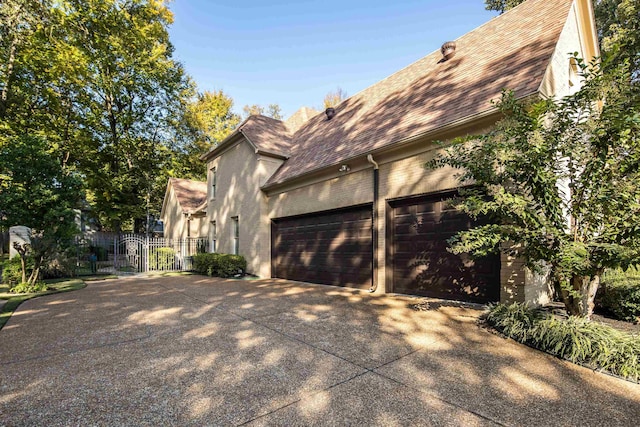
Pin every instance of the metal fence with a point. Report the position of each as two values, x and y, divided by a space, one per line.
135 253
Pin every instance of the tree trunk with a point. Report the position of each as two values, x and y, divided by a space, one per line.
23 263
35 275
579 298
5 89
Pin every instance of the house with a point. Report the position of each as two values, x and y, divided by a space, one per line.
184 209
343 197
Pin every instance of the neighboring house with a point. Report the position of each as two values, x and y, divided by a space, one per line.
343 197
184 209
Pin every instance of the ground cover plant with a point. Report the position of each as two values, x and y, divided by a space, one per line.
573 338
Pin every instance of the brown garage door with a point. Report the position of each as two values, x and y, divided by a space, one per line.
420 261
332 248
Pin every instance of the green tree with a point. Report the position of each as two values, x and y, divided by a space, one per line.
131 85
561 183
501 5
97 79
37 192
212 117
252 110
618 23
334 98
273 110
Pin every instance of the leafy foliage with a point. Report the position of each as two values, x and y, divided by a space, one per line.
28 288
335 97
208 119
161 258
560 179
37 192
501 5
219 265
618 23
574 339
97 81
273 110
12 271
620 294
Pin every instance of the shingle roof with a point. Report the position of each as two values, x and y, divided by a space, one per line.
267 134
191 194
510 51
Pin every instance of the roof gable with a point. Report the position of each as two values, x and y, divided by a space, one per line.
267 135
191 195
511 51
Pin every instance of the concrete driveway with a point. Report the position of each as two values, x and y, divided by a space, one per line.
192 350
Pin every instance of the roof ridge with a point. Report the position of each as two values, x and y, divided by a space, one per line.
490 21
512 50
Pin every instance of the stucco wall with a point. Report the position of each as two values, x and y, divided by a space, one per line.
173 218
347 190
407 177
557 77
401 175
240 173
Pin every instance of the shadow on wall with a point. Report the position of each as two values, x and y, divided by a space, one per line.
335 251
423 264
445 93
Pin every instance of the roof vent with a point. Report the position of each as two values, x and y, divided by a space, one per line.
448 50
330 112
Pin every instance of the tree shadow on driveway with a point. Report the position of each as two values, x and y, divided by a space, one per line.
194 350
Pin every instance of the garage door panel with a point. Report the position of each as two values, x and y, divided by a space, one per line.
330 248
420 261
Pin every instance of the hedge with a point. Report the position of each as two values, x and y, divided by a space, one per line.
219 265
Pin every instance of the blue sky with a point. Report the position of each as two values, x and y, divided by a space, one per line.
293 52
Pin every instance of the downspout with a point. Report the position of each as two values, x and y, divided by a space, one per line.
374 224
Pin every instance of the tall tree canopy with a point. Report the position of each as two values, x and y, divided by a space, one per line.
334 97
273 110
208 119
97 79
618 23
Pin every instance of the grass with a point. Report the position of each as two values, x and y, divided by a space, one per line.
14 300
578 340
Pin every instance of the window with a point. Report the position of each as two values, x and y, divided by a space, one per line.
214 236
213 183
235 237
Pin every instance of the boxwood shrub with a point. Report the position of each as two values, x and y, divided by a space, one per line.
219 265
579 340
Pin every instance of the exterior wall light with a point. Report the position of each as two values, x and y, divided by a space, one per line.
344 168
